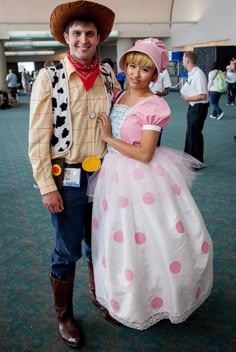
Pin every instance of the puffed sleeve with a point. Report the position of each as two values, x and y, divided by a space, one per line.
154 113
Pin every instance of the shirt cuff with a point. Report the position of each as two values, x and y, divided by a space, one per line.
47 188
152 128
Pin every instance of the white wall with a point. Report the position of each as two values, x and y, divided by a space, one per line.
216 21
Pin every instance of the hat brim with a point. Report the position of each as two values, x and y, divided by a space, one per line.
65 13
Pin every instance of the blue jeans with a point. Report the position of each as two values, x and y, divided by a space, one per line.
214 100
72 226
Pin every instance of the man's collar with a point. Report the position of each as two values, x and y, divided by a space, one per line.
193 70
69 67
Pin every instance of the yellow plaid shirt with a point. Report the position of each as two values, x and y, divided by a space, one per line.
86 137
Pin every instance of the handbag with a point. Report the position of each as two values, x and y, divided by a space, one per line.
219 82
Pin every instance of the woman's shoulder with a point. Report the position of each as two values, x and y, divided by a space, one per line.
152 101
154 107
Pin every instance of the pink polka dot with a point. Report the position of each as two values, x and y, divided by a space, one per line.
140 237
197 295
114 304
95 223
104 262
138 174
129 275
205 248
123 202
175 267
104 204
157 302
179 227
159 170
148 198
176 189
101 172
118 236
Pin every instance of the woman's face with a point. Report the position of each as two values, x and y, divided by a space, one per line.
140 77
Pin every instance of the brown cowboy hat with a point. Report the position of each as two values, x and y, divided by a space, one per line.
65 13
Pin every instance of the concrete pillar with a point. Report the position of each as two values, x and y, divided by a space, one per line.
122 45
3 68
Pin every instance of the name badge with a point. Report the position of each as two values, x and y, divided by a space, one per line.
72 177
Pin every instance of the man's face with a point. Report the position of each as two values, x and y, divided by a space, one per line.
83 41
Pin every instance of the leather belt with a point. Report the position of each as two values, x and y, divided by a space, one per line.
76 166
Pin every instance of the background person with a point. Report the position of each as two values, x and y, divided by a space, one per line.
214 95
54 139
4 100
25 81
231 82
121 79
151 251
12 82
195 93
162 86
108 61
13 98
48 63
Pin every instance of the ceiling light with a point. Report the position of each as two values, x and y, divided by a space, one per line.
22 35
32 44
29 53
15 35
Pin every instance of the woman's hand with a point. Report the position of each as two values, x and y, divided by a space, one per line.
105 126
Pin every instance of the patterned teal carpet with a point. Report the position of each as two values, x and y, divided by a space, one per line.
27 322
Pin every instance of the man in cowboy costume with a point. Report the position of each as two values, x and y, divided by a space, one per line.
65 144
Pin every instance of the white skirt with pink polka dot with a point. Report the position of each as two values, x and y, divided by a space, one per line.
152 253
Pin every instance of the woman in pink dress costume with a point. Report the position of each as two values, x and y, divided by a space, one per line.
152 253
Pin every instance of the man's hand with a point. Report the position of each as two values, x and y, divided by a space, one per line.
185 98
53 202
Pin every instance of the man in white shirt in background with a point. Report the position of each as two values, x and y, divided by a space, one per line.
162 86
12 84
12 81
195 93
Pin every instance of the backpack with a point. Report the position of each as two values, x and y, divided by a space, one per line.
219 82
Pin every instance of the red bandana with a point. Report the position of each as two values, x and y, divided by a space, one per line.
87 73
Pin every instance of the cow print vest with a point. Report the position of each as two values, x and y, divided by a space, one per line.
62 129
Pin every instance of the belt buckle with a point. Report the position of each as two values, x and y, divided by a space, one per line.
91 164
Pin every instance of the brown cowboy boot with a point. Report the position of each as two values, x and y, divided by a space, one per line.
63 295
92 292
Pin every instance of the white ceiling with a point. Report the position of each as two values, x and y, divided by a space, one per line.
24 25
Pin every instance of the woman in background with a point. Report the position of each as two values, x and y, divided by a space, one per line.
214 94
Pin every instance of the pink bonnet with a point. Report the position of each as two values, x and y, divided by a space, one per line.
152 47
